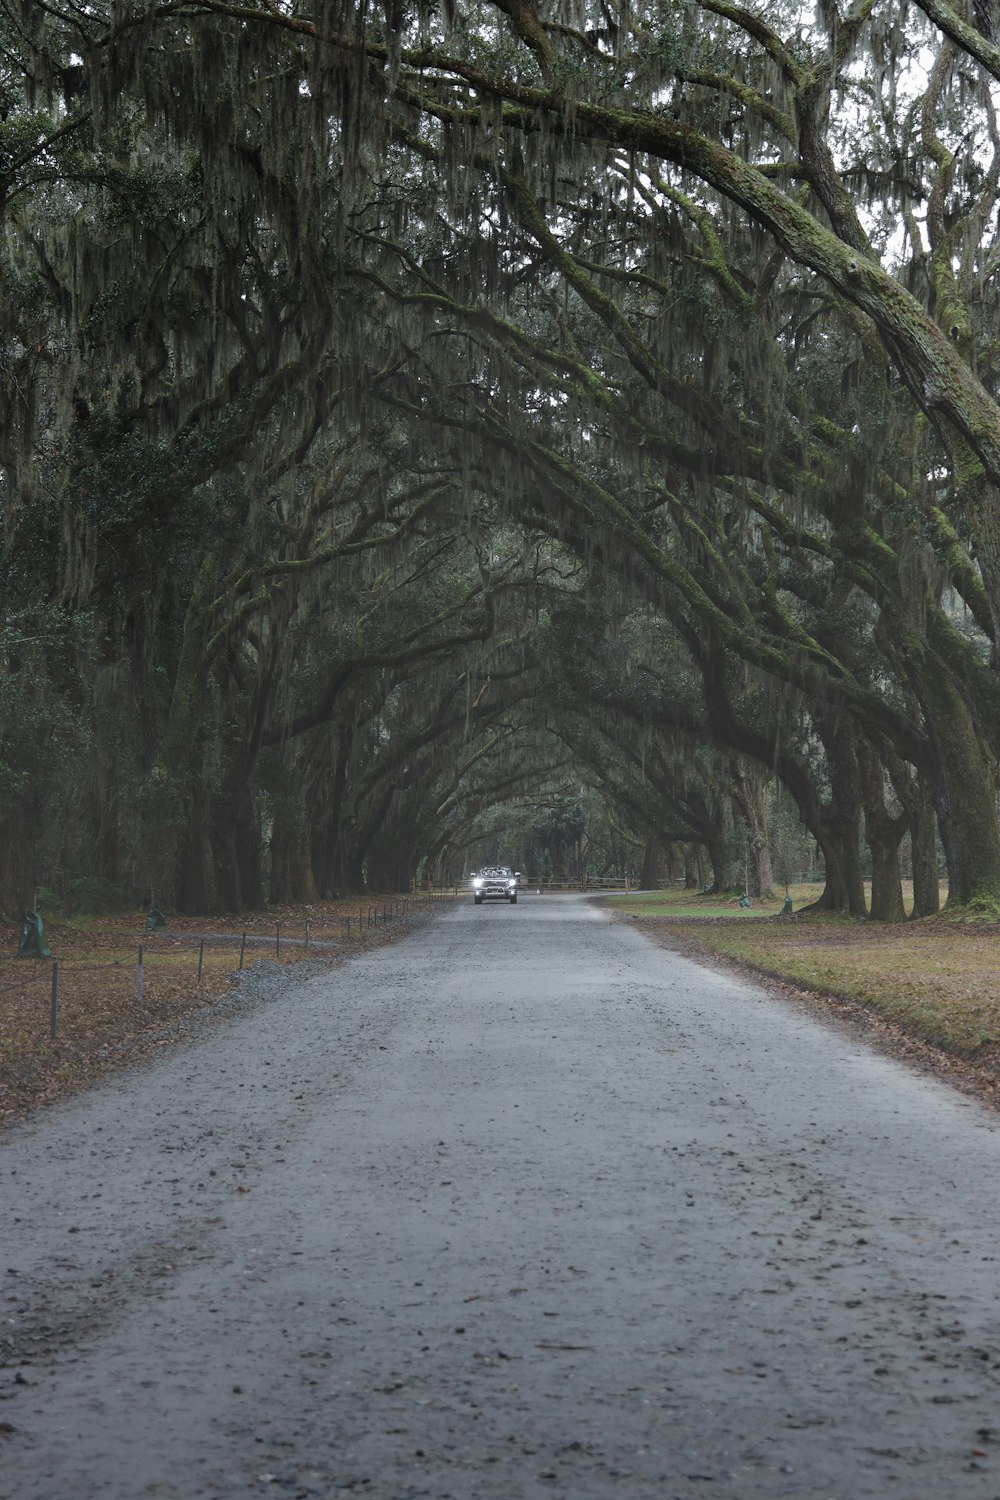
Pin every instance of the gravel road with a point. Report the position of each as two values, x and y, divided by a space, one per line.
521 1206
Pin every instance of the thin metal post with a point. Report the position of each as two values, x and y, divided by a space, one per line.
201 958
277 939
138 979
53 1023
243 943
307 932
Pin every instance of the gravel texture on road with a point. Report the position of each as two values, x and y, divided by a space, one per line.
521 1206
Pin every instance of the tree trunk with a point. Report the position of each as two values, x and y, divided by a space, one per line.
195 893
693 874
280 883
304 885
228 882
839 826
843 888
750 798
887 887
649 873
884 833
964 792
924 855
724 875
915 795
236 850
248 853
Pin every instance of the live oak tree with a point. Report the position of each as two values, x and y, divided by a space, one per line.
311 307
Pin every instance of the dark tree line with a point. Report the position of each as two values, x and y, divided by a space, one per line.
416 426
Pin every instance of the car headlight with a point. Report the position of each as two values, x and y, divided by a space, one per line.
477 884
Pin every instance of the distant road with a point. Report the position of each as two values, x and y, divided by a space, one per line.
522 1206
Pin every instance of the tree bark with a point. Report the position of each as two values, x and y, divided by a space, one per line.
884 833
924 855
964 784
838 828
750 797
649 873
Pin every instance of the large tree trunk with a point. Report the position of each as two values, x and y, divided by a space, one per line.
292 875
750 797
915 795
282 841
248 853
304 883
924 854
843 888
228 881
693 873
839 827
725 876
361 844
884 833
964 791
236 848
194 890
649 873
887 886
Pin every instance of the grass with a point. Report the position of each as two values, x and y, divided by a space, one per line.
936 980
705 905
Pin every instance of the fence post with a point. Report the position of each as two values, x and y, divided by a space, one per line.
243 943
277 939
201 958
348 920
138 979
53 1022
307 932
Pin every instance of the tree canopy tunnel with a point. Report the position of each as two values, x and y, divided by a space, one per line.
414 419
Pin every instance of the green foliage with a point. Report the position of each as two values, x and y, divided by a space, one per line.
478 453
89 895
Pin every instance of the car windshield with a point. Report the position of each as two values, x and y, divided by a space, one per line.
495 870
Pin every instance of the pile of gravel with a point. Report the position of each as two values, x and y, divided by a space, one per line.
261 983
268 980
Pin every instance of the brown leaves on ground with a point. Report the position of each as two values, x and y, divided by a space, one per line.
101 1023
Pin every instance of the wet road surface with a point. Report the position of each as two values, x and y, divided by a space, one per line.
523 1206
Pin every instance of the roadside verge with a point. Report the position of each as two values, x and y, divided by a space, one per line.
926 993
109 994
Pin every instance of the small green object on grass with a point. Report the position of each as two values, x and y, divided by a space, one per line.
33 944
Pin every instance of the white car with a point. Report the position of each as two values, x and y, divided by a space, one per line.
496 883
